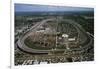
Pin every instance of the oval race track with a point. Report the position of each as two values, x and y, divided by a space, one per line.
85 44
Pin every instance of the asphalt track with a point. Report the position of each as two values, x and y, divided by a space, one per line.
86 44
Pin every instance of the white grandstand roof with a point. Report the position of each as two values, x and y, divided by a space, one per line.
64 35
